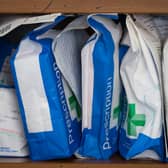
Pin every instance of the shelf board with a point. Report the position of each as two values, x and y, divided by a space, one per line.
83 6
115 162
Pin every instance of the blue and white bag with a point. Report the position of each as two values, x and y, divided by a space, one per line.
100 88
12 138
45 97
141 134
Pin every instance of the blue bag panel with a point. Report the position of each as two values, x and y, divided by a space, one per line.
131 147
91 145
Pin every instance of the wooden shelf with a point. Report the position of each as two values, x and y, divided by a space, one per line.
115 162
83 6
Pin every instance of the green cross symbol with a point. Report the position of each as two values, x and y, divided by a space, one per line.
116 112
2 81
134 120
74 105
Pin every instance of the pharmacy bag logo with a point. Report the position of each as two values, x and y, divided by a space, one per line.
134 120
74 105
116 112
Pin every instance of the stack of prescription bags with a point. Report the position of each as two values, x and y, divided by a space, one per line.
84 85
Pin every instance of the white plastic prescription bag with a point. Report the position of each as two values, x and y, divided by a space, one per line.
165 85
12 138
46 100
141 134
67 48
100 88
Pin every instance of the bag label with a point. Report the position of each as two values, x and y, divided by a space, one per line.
32 90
